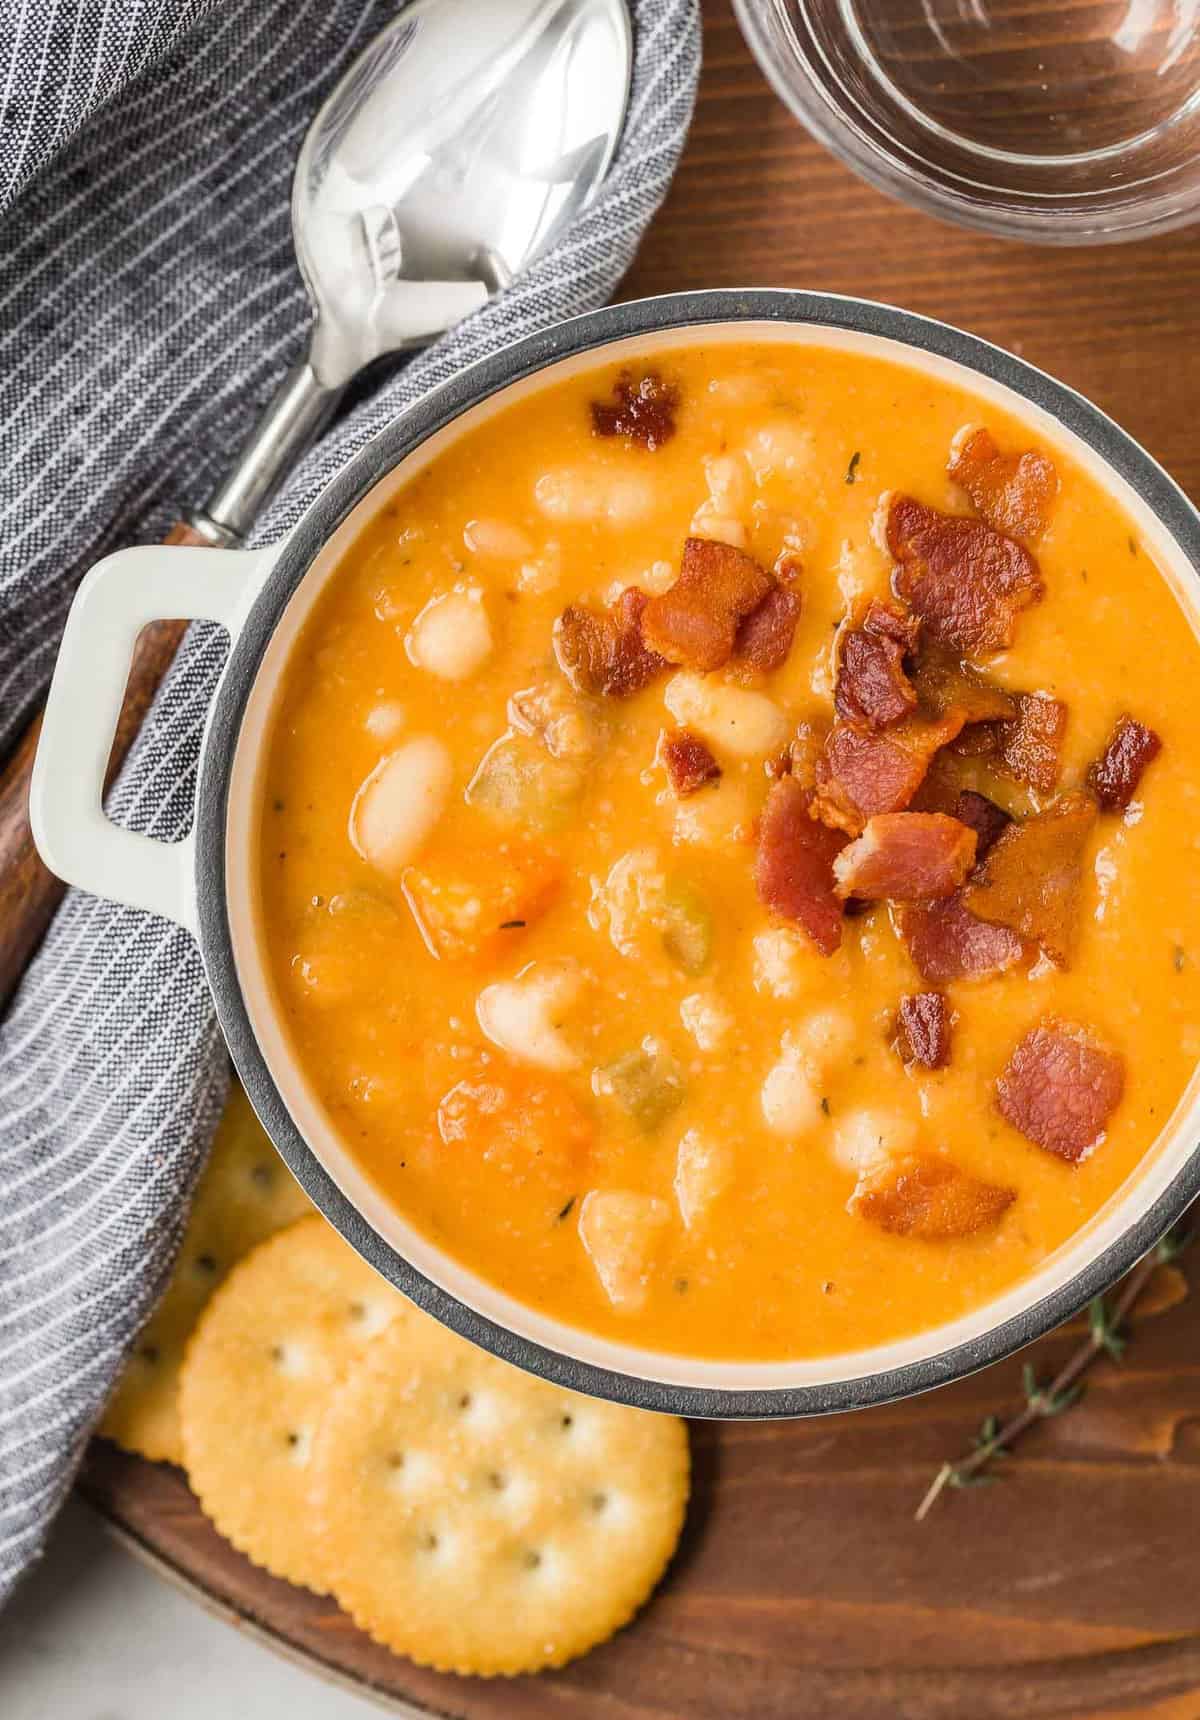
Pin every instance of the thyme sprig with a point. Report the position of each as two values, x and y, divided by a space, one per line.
1107 1319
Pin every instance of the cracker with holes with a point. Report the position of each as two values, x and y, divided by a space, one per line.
262 1365
245 1195
482 1521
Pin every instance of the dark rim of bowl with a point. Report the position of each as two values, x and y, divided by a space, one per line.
436 410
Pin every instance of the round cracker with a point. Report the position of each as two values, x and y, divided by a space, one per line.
482 1521
262 1365
245 1194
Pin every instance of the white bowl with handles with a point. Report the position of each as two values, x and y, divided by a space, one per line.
206 883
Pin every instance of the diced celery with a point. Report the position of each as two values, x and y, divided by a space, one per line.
646 1082
687 926
519 782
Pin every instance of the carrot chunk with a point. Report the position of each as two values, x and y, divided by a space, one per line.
472 904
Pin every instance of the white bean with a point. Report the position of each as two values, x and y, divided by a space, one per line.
452 636
706 1018
396 808
384 720
620 1231
866 1137
497 540
525 1016
734 720
790 1102
784 962
578 494
703 1171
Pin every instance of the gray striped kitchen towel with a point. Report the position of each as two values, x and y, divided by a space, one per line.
148 306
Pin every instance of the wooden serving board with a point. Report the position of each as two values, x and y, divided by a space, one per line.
803 1588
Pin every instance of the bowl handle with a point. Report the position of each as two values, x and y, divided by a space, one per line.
117 598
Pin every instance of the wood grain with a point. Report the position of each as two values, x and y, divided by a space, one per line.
803 1588
28 893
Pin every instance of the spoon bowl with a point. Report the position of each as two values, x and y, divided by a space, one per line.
457 147
449 155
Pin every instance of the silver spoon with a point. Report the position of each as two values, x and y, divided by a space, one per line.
450 154
454 150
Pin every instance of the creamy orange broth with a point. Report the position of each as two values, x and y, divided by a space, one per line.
777 1267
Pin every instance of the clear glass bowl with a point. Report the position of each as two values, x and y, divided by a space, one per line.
1067 122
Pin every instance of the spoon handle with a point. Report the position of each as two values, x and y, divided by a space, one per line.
28 893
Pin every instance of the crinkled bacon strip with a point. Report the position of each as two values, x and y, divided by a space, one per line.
1013 492
985 818
603 652
643 410
945 683
1029 748
1060 1088
793 869
764 637
930 1198
906 857
861 774
966 581
1032 879
923 1029
695 622
688 762
946 942
1115 776
872 687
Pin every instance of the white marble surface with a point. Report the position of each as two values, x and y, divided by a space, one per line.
93 1635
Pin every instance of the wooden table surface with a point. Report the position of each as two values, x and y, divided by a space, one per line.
804 1588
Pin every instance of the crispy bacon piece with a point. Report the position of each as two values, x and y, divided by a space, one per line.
604 652
643 410
695 623
872 687
1031 880
861 774
923 1029
793 869
1013 492
985 818
906 857
689 764
764 637
929 1198
946 942
1029 748
967 581
1060 1089
945 683
1115 776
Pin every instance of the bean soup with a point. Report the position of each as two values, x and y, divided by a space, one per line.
721 850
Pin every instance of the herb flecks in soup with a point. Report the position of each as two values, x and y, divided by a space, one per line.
720 850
